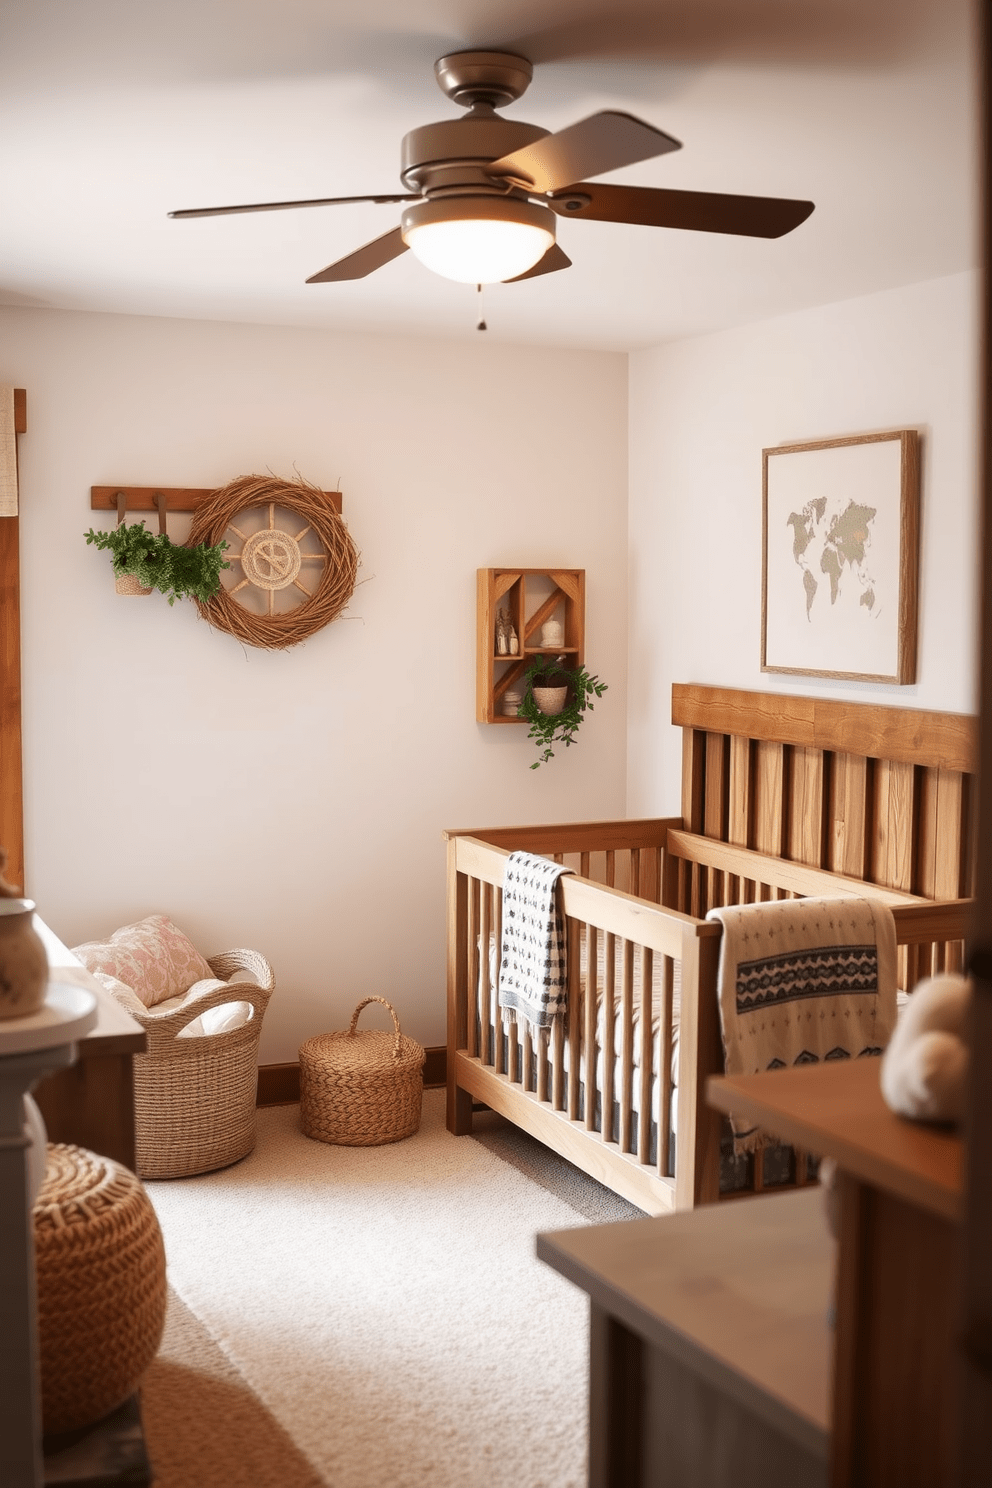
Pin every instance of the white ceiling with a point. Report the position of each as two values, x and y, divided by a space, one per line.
114 111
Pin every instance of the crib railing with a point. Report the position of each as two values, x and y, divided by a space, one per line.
623 956
627 955
703 874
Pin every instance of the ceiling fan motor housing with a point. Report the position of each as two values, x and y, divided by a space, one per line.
454 153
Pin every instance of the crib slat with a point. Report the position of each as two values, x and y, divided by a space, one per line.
574 1019
806 815
684 901
609 1034
852 783
583 865
611 867
626 1041
647 1056
497 916
528 1054
665 1066
475 1021
717 779
740 794
513 1053
541 1054
892 856
770 816
557 1041
589 1036
693 753
647 873
489 1014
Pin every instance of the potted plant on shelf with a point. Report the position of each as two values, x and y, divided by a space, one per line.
144 561
555 698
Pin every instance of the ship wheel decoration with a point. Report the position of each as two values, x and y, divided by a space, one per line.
293 563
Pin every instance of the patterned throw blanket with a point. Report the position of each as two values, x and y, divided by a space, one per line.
803 980
532 979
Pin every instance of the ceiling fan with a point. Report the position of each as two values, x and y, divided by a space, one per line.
484 192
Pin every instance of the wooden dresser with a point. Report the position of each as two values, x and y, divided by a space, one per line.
710 1343
895 1388
92 1102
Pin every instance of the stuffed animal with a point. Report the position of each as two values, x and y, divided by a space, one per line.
925 1067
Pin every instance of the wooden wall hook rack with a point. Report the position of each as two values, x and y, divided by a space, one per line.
177 498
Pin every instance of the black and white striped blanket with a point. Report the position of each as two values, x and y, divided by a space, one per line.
532 973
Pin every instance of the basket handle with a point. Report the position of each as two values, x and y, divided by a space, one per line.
396 1022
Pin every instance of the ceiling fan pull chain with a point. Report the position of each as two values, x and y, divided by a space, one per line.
481 324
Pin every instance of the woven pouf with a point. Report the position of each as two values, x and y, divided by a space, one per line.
361 1089
101 1286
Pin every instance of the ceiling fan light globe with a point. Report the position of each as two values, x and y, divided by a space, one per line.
478 240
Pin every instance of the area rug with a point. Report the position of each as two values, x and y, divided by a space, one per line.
204 1425
386 1308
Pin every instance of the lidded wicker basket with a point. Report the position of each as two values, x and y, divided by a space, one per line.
361 1089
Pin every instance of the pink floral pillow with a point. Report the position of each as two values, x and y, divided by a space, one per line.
152 957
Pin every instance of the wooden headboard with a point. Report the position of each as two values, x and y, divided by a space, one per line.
883 794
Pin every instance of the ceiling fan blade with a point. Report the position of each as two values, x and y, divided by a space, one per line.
364 260
603 142
693 211
555 258
320 201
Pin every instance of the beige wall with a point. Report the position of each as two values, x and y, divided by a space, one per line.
702 410
294 801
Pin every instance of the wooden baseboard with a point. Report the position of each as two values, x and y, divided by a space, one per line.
279 1084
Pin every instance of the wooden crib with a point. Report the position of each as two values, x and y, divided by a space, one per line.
773 807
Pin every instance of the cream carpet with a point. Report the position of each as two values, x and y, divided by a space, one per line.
385 1307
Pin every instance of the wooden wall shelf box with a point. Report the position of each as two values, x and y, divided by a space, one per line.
507 589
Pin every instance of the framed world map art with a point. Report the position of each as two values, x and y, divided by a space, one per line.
840 551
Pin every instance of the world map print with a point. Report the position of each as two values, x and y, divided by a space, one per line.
833 593
831 543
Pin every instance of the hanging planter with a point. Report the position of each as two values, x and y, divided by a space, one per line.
555 699
128 584
144 561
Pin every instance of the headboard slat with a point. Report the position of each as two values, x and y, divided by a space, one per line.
771 799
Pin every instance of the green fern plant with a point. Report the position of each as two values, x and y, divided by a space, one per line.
557 728
159 563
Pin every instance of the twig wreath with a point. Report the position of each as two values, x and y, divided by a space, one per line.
271 560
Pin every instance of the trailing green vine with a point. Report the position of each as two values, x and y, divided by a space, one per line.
557 728
159 563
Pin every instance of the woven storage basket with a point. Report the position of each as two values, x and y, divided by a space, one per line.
194 1098
361 1089
101 1286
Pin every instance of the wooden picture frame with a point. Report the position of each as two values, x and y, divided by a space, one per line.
839 557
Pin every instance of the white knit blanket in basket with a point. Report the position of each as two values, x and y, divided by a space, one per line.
803 980
533 985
